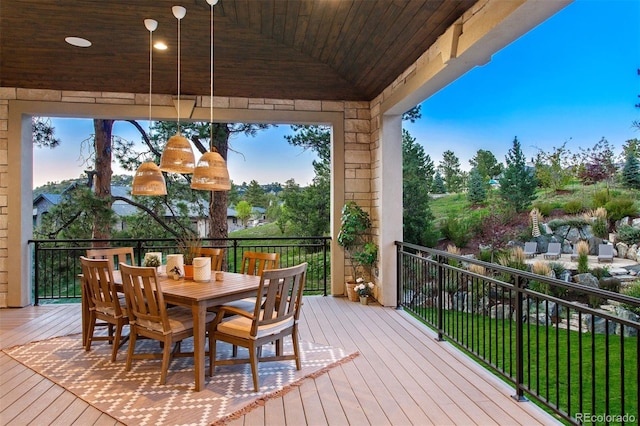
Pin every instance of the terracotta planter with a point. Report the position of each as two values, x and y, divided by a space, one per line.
188 272
351 293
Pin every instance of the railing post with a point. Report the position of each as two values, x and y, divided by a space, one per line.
519 396
440 299
400 283
325 243
36 274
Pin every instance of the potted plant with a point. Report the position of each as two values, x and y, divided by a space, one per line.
364 291
190 247
355 237
152 261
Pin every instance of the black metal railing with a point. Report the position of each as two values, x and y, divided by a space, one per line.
56 263
572 348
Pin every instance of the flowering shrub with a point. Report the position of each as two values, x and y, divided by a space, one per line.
363 289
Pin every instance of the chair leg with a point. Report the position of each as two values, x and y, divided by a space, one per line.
253 355
116 341
166 357
91 329
132 345
296 348
212 358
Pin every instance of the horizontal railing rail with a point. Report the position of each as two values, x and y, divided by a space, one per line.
56 264
571 347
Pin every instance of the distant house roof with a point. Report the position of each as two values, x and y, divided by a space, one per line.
51 198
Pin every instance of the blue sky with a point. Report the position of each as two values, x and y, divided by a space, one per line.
572 79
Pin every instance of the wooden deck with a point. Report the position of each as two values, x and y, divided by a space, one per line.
402 376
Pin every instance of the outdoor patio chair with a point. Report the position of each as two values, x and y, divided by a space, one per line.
254 263
216 255
150 317
103 302
114 254
270 321
553 251
530 249
605 253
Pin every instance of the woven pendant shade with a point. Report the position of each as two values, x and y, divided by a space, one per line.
148 180
177 156
211 173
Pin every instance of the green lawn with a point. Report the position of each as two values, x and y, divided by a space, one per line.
558 363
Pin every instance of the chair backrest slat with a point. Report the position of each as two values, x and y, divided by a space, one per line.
216 255
282 298
98 276
144 296
116 255
255 263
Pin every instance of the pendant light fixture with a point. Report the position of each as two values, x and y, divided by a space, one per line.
148 179
211 173
177 156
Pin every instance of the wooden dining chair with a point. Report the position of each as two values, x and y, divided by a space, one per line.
114 254
270 321
150 317
216 255
103 302
254 262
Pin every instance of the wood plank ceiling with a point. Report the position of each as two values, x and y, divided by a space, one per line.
284 49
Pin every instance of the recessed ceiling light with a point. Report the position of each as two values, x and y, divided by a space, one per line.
160 45
78 41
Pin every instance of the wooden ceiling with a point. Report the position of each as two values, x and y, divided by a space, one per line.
284 49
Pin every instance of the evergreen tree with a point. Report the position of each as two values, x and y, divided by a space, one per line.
255 195
417 174
518 183
450 168
486 165
477 193
631 171
438 184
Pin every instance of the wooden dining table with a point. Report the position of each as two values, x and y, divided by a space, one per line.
197 296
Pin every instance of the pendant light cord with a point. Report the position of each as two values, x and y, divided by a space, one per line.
150 76
211 86
178 75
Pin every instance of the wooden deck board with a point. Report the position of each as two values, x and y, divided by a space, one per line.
403 375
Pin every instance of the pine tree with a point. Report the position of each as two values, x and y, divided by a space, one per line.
450 168
417 174
631 171
477 192
518 183
438 184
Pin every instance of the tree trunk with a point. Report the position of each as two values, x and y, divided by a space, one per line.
218 199
102 144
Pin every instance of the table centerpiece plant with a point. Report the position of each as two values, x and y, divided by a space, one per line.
189 246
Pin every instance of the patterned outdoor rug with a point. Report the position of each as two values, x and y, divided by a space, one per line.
136 398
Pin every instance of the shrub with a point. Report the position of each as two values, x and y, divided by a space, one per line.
610 284
544 208
632 290
557 268
573 206
601 198
573 222
629 234
457 230
600 272
620 207
485 256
